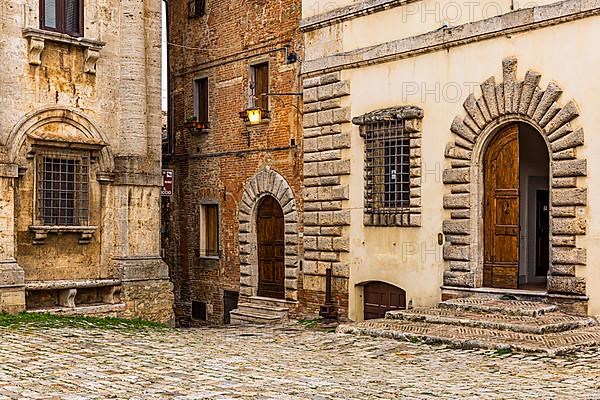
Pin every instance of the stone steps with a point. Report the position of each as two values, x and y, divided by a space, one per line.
487 323
553 322
491 305
260 310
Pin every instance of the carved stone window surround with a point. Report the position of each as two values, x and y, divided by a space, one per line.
37 42
410 118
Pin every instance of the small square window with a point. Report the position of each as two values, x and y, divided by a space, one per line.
199 310
209 230
63 16
62 190
197 8
259 85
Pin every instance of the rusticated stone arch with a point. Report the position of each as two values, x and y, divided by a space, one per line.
515 101
267 182
36 120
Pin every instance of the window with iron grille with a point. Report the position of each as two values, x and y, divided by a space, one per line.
197 8
63 16
387 167
392 166
63 190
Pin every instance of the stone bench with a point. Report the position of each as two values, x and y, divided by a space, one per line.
65 292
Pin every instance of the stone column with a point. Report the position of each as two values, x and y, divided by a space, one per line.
12 276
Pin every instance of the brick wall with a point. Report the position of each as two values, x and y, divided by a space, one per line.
216 165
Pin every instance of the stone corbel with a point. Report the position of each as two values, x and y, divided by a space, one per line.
40 233
36 46
91 57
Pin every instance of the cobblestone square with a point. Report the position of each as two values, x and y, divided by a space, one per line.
287 362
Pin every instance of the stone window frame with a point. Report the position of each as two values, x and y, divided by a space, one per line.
410 118
201 253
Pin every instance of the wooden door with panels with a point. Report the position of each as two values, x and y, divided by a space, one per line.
502 210
270 228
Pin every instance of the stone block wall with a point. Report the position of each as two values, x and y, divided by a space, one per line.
327 137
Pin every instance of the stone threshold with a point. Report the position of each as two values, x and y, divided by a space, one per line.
498 291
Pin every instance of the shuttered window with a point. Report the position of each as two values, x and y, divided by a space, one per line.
209 230
260 84
201 99
64 16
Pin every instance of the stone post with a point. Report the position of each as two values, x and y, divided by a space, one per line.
12 276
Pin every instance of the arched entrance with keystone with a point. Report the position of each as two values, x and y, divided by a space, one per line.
268 237
511 229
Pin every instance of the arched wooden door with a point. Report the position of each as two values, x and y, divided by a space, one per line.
501 210
271 249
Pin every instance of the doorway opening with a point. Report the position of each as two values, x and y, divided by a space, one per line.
381 297
516 210
270 227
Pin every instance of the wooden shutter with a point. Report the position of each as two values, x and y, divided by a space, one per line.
261 85
211 232
72 17
202 99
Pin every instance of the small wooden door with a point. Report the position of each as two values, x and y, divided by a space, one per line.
271 249
501 210
381 297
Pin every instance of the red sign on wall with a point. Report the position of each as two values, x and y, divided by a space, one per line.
168 181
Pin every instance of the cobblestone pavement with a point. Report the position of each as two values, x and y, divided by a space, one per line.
273 363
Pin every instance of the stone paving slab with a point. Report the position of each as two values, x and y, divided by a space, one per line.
274 363
492 305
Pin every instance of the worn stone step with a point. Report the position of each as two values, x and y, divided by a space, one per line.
490 305
269 302
472 337
547 323
263 309
243 317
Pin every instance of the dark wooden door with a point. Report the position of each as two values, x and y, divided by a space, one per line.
271 249
501 210
381 297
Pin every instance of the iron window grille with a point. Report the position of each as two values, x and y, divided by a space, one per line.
387 167
63 16
63 189
196 8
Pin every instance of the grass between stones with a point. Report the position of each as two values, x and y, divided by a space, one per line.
46 320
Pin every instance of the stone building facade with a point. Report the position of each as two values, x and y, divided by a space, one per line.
80 146
462 153
235 183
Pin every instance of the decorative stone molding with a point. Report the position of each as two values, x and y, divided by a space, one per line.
411 118
514 100
349 12
40 233
267 182
513 22
37 42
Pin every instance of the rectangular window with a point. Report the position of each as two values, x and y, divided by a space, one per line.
197 8
201 100
259 81
209 230
63 16
63 190
387 167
